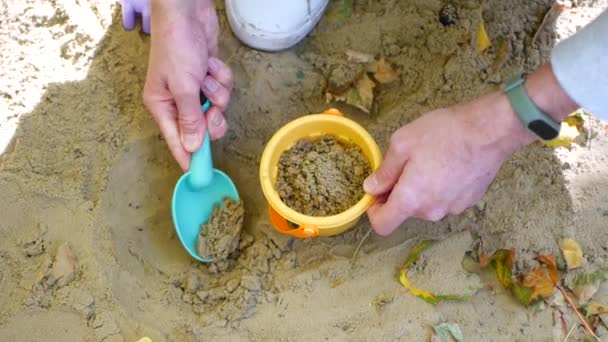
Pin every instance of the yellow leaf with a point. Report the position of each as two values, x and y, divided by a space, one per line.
572 253
420 293
570 130
383 71
502 262
483 41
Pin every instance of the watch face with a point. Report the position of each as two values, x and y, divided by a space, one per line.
543 130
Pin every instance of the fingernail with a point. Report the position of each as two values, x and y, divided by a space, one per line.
370 183
211 85
213 65
217 120
191 142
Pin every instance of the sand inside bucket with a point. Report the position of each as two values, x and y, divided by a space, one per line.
322 177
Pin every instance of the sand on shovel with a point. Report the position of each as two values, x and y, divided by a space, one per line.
220 236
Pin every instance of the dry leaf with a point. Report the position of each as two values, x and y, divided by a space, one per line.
502 262
538 283
584 293
361 95
503 48
570 130
595 308
344 76
423 294
541 280
448 332
572 253
483 40
359 57
383 71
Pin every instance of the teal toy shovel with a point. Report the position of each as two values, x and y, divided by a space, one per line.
196 194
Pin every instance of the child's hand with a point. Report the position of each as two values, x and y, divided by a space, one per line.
130 9
182 63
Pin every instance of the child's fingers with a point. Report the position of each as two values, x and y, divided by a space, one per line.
221 72
145 21
128 15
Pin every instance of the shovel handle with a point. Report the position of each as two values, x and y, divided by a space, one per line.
201 165
280 224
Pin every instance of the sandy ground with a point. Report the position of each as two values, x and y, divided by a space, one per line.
84 163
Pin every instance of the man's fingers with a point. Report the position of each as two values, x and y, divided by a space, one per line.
165 116
190 119
128 15
211 29
216 92
216 124
220 72
385 177
386 217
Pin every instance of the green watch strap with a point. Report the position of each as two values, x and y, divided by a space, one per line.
530 115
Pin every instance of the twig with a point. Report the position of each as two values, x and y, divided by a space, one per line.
570 332
365 237
578 313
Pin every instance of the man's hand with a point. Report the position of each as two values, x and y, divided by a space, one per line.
443 162
182 63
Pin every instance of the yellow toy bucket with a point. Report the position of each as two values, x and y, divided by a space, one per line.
313 126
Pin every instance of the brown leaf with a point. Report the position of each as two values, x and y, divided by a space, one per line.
383 71
549 262
361 95
541 280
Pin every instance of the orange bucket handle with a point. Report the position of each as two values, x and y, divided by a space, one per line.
280 224
333 111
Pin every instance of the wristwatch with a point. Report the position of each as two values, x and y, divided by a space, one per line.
539 123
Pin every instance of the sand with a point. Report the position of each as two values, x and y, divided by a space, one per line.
83 163
219 237
322 177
